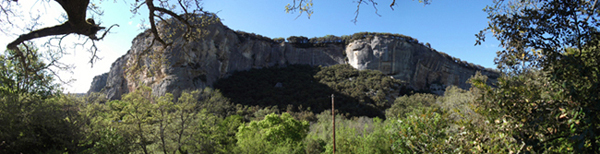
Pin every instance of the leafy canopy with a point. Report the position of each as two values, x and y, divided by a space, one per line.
551 61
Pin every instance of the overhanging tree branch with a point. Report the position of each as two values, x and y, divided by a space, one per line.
76 12
61 29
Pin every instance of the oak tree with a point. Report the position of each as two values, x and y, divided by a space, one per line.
550 57
182 11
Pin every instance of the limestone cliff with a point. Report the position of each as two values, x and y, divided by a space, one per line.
195 64
98 83
423 67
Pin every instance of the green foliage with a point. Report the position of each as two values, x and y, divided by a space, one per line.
279 40
298 40
30 123
314 146
304 42
522 100
143 123
368 86
406 104
458 101
551 90
245 36
371 139
356 135
421 132
34 118
358 93
24 71
101 136
273 134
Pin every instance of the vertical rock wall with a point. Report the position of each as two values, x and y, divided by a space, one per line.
421 66
221 51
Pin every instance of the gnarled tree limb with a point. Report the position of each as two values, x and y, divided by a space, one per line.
76 12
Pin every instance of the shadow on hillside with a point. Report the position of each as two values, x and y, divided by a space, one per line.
292 85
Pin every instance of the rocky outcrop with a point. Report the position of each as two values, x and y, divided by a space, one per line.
423 67
219 51
113 83
98 83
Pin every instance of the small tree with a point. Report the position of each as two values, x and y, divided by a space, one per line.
273 134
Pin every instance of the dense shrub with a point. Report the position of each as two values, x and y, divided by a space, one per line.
273 134
370 87
356 135
422 131
30 123
142 123
406 104
34 116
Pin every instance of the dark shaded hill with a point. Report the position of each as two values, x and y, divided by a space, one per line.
357 93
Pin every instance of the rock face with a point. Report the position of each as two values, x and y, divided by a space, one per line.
98 83
423 67
220 51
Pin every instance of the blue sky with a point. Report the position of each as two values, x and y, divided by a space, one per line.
449 26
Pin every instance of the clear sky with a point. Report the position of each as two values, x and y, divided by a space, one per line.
449 26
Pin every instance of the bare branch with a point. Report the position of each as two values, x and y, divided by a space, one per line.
174 15
137 7
360 2
306 6
182 7
5 8
105 32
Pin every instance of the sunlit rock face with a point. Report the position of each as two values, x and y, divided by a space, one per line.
219 51
423 67
112 83
199 63
98 83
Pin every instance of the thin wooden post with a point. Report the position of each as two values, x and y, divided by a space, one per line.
333 119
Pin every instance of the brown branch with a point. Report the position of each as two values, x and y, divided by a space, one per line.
360 2
137 7
357 11
182 6
6 10
151 15
76 12
107 31
152 8
61 29
173 14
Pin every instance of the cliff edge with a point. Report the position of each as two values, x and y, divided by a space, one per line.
219 51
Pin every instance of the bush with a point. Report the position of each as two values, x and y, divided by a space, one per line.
142 123
356 135
422 131
314 145
30 123
458 103
406 104
274 134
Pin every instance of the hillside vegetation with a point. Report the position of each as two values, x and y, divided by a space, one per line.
270 110
307 88
545 101
284 110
